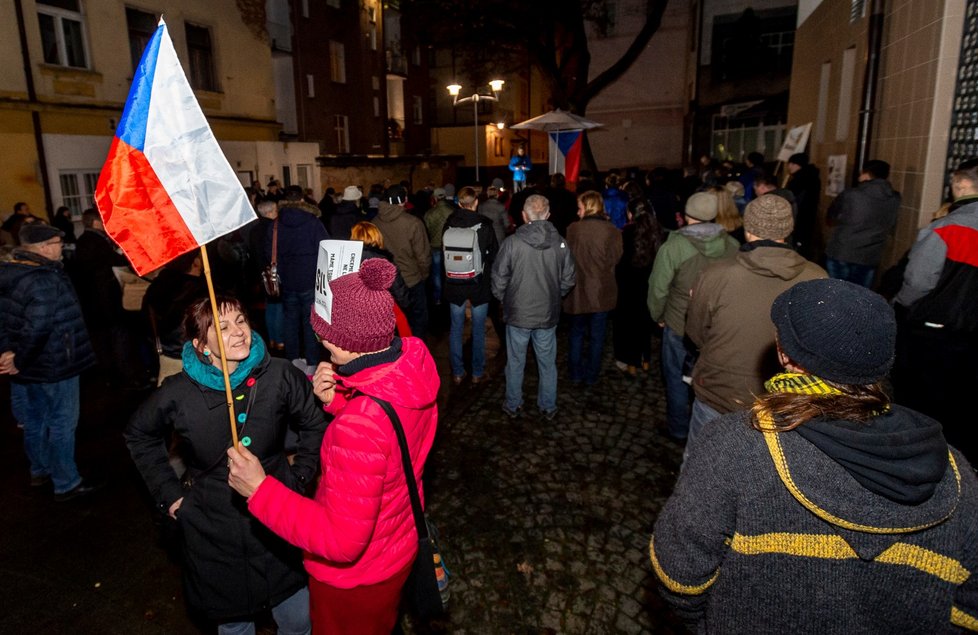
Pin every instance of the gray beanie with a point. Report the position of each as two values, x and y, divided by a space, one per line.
769 217
836 330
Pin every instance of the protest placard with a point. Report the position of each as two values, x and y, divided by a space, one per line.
336 258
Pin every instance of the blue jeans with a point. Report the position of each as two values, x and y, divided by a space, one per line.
593 325
857 274
274 317
296 307
456 337
437 258
49 414
677 391
291 615
417 314
545 348
701 415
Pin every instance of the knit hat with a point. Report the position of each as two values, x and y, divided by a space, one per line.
836 330
498 183
35 233
439 193
352 193
702 206
769 217
396 195
363 309
450 190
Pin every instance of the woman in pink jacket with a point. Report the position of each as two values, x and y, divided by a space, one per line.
358 533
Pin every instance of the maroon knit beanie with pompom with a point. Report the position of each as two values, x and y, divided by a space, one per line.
363 309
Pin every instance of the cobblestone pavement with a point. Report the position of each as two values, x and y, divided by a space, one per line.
544 524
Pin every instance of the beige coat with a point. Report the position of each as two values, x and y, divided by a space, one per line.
596 246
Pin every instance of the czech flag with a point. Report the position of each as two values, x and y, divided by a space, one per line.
565 154
166 187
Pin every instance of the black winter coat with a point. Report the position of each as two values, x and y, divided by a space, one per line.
479 289
346 215
233 565
41 320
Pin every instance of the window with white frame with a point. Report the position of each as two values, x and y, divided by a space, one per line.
142 26
62 32
303 175
341 124
337 62
78 190
417 109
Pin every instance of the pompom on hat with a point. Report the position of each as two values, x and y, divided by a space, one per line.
836 330
769 217
363 309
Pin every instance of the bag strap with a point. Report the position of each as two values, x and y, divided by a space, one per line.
275 242
408 469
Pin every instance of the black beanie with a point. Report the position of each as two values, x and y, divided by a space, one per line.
836 330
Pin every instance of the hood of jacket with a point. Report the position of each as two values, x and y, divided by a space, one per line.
389 211
292 216
707 238
539 234
878 189
871 480
411 381
772 261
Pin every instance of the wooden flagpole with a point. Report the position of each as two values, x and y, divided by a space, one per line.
220 345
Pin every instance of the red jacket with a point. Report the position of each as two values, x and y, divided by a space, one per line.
358 530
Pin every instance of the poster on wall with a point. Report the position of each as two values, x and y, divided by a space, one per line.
837 175
794 141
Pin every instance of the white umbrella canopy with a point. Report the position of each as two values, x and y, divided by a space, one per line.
557 120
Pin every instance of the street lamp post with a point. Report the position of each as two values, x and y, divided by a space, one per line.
495 86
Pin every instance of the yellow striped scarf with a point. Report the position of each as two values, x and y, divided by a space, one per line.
800 384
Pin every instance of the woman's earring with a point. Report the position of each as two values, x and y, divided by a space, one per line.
206 352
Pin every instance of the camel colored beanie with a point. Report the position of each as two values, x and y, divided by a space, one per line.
769 217
363 309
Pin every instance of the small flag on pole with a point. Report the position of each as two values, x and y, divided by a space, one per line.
565 153
166 187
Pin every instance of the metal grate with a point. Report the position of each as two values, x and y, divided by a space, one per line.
963 141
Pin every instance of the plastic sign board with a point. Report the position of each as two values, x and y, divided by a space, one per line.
336 258
795 141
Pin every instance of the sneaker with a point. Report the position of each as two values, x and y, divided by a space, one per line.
458 379
513 414
480 379
549 415
80 490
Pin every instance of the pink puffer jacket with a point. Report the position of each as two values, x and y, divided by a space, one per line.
358 530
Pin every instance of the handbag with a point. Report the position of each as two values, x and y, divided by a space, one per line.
269 275
426 588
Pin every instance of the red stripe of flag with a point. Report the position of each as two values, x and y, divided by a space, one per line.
137 212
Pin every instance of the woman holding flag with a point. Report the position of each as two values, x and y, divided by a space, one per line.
358 533
233 566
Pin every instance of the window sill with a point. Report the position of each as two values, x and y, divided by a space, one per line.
69 72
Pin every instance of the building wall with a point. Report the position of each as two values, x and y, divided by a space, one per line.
78 109
643 110
918 66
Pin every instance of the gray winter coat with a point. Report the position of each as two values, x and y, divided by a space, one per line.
533 270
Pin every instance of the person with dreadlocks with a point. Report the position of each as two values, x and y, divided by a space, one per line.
825 507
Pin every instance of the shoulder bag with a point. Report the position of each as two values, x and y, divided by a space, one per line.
269 275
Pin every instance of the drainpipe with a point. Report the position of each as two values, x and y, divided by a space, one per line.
870 82
25 55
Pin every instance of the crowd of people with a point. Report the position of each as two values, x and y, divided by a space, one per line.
815 395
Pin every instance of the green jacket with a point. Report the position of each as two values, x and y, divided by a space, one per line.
434 221
679 261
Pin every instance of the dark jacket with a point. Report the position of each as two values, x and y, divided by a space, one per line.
563 208
342 220
168 297
41 320
479 289
533 270
234 566
767 533
597 248
299 233
864 218
98 289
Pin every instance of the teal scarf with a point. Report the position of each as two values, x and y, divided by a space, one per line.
210 376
